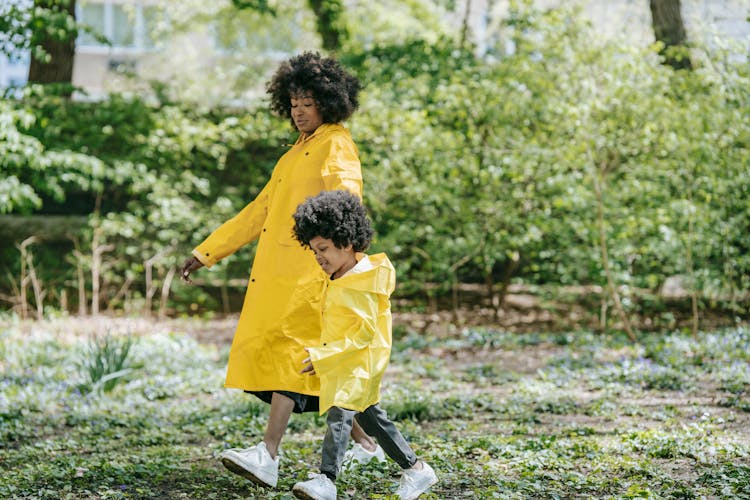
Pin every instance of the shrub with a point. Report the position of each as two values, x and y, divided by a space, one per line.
105 362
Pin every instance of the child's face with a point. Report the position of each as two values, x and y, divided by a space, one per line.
334 260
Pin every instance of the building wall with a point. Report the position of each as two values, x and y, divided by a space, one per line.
126 24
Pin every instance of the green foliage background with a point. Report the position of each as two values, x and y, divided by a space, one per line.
477 169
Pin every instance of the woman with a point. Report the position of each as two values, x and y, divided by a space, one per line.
281 312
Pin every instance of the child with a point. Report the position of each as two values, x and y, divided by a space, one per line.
355 342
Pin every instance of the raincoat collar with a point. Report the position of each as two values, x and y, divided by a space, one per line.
322 129
363 264
381 279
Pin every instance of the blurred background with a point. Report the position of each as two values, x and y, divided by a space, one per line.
575 163
234 45
563 188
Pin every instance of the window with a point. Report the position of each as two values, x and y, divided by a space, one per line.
150 16
123 27
92 15
126 26
261 34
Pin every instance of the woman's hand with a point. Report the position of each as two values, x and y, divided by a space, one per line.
190 265
309 368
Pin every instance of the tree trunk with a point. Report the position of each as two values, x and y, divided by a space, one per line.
97 250
150 288
122 292
690 267
465 24
489 283
508 273
36 285
328 20
79 258
666 19
605 259
454 286
24 281
60 49
165 287
454 299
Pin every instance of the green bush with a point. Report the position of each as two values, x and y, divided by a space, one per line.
485 170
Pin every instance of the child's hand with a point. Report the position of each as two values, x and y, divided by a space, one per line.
309 368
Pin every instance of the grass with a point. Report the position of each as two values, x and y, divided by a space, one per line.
498 415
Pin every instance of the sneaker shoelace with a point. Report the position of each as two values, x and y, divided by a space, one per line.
255 449
409 479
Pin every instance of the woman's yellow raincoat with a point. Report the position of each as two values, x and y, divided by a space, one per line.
355 345
281 312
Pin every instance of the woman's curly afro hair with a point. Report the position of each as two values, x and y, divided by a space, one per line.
334 90
335 215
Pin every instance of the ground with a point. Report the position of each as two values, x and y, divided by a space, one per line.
498 414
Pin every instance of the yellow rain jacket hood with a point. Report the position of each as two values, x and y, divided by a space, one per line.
355 344
281 312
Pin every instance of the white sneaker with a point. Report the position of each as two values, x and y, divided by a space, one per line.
415 482
358 455
318 487
253 463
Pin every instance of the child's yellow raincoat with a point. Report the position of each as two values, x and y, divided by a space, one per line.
281 312
355 345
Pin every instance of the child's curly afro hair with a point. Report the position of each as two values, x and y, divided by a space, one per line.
335 215
334 90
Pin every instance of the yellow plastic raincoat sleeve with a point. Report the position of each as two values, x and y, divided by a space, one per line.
342 169
236 232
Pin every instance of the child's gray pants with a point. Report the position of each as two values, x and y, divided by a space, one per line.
374 421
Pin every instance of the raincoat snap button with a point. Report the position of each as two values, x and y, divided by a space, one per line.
253 280
307 153
207 254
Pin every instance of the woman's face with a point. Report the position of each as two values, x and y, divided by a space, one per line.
305 113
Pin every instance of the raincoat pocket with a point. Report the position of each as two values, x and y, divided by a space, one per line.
304 311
